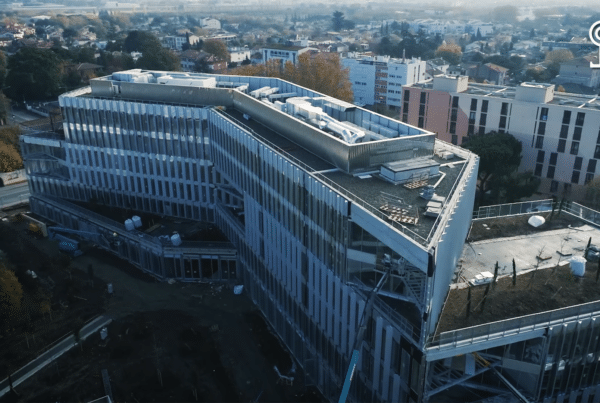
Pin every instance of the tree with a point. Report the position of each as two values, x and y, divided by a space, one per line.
161 59
450 52
140 41
322 73
115 62
558 56
11 294
554 59
337 22
499 158
216 48
202 66
3 66
34 74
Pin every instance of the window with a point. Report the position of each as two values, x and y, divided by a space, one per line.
539 142
577 133
454 139
540 156
553 186
484 106
483 120
553 158
575 147
421 121
423 97
592 166
502 122
597 152
566 117
453 128
504 109
578 163
561 146
580 119
542 128
406 95
538 169
588 178
455 102
544 114
575 177
564 131
473 104
550 173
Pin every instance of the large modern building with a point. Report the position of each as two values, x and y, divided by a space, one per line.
319 199
559 131
379 79
345 228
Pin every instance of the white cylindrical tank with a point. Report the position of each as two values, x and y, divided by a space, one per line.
129 225
137 221
578 266
103 333
176 240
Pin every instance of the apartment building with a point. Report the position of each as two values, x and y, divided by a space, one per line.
176 42
559 131
319 199
238 55
379 79
579 71
210 23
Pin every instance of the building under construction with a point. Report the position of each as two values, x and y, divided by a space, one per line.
345 227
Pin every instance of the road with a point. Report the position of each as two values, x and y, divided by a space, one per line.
21 115
14 194
52 354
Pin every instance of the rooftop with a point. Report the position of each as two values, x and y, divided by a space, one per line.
338 143
283 47
590 102
544 279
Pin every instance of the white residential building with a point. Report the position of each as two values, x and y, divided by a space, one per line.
210 23
238 55
379 79
176 42
283 53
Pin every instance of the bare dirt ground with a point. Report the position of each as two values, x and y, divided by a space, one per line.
72 299
536 291
211 345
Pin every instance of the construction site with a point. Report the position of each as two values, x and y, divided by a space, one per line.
165 342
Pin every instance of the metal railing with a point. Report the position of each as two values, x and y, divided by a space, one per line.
10 201
510 209
530 207
511 327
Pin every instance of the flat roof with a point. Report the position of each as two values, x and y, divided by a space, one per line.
364 186
544 279
580 101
